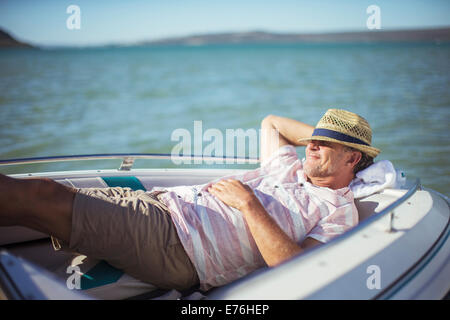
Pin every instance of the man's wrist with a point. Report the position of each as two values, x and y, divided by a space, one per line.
251 203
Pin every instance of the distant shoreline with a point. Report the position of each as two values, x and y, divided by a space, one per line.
438 35
435 35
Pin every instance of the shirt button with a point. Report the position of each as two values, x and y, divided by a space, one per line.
275 186
199 194
301 184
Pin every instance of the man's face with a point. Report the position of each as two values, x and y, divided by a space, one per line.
324 159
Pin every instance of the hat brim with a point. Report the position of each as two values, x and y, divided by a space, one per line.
371 151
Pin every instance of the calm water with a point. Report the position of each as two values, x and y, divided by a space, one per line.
114 100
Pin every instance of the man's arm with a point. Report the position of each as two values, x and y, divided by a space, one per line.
279 131
273 243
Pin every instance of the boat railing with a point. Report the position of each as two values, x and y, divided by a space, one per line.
415 186
128 159
390 209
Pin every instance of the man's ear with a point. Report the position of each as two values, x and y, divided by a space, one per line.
354 158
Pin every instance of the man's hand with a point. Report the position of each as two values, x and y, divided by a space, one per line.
233 193
274 245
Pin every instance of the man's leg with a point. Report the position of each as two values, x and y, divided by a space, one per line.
40 204
131 231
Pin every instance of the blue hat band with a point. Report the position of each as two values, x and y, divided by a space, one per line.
338 136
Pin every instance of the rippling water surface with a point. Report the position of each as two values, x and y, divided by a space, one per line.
117 100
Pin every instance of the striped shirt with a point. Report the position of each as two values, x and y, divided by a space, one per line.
216 236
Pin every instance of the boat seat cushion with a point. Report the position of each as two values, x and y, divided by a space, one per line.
374 203
100 280
104 182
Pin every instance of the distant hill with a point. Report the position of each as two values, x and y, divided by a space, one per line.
7 41
440 35
422 35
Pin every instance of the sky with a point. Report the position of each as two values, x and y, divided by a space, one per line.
44 22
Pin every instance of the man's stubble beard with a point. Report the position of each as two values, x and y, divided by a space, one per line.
317 171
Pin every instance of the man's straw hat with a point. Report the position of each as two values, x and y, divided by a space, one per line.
346 128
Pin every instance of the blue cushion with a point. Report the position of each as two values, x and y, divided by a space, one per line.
101 274
124 182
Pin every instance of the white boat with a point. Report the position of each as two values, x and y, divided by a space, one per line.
399 250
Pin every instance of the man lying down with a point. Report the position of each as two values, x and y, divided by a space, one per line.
211 234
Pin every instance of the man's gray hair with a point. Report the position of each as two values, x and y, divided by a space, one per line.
363 163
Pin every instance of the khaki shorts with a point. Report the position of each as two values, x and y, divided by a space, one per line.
132 231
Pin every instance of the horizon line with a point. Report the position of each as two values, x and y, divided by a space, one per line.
150 41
